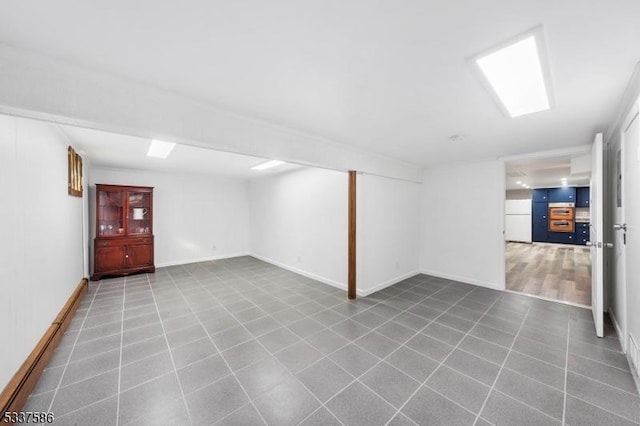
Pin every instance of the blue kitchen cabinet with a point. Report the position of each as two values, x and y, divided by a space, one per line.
582 196
582 233
539 223
562 237
565 194
540 195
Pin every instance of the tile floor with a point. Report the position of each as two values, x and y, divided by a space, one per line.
242 342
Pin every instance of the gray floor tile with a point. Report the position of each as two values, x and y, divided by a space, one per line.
581 413
231 337
354 359
174 324
135 335
143 349
492 335
328 317
321 417
473 366
215 401
459 388
262 376
244 354
411 321
192 352
298 356
101 413
424 312
305 327
357 405
369 319
500 324
395 331
250 314
278 339
160 392
310 308
324 379
350 329
606 397
401 420
453 321
377 344
287 316
541 351
39 402
443 333
287 404
412 363
596 353
244 416
427 407
186 335
537 395
219 324
262 326
535 369
390 383
49 380
77 395
501 409
612 376
202 373
144 370
432 348
327 341
462 312
385 311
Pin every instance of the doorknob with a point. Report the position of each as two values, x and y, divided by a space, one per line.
620 227
589 243
607 245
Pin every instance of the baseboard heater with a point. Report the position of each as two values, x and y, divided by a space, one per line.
15 394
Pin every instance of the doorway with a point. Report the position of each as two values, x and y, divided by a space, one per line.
546 256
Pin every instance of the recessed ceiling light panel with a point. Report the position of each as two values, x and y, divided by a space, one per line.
160 149
517 74
267 165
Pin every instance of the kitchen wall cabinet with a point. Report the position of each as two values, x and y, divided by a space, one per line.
582 196
540 195
565 194
124 242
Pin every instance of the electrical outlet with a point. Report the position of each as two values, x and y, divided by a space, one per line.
397 265
214 248
299 259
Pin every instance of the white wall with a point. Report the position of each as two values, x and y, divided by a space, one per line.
298 220
41 250
191 213
462 222
388 231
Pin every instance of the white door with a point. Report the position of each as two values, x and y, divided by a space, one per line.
631 229
619 241
596 243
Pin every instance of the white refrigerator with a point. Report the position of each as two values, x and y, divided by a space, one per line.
517 223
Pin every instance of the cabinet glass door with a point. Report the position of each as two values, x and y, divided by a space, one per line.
110 213
140 214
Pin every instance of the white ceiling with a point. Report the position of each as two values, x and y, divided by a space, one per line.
544 172
114 150
390 77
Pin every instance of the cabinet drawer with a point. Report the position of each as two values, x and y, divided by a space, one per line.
561 237
582 225
119 242
584 232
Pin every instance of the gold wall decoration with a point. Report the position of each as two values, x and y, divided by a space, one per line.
75 173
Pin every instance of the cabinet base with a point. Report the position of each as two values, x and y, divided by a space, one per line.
96 276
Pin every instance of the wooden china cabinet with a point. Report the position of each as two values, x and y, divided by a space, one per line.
124 230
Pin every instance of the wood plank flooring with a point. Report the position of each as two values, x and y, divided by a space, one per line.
556 271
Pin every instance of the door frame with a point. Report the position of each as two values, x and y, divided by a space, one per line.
575 150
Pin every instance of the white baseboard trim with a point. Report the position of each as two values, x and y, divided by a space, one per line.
621 337
333 283
388 283
200 259
466 280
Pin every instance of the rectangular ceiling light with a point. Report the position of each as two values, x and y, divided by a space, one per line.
517 74
160 149
267 165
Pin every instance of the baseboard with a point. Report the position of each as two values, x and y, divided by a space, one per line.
466 280
17 391
200 259
333 283
388 283
621 337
